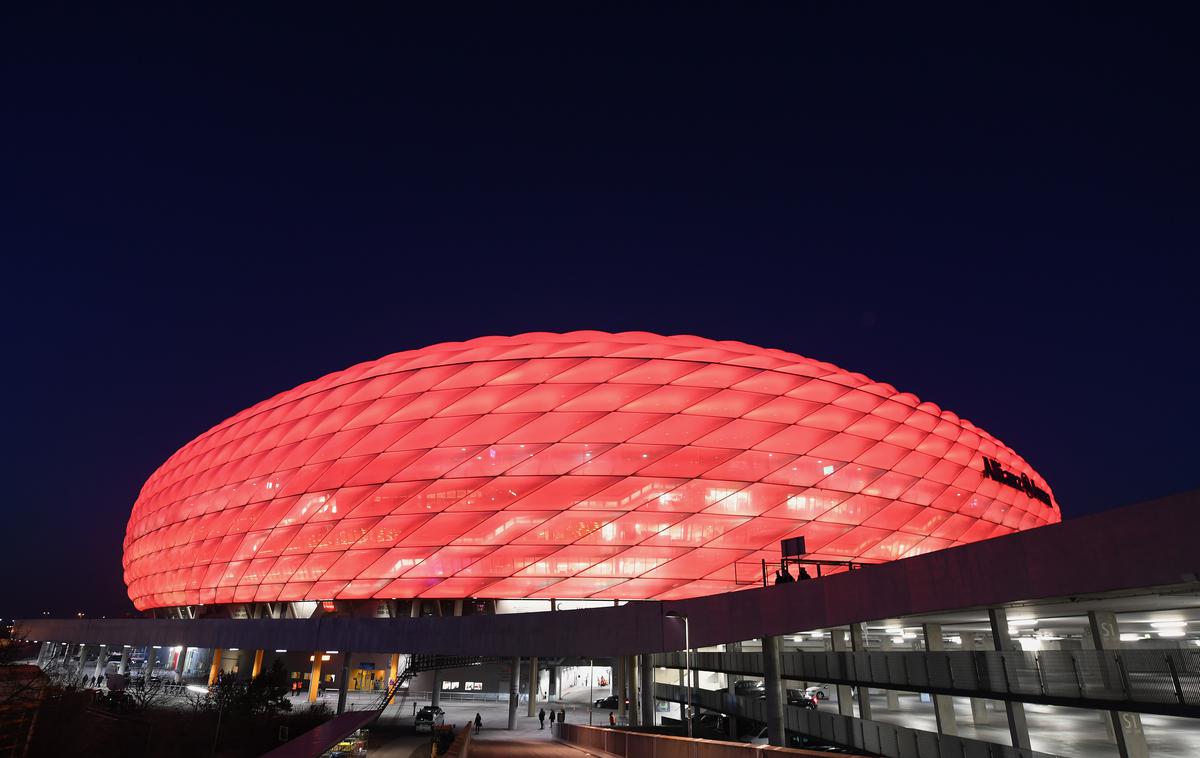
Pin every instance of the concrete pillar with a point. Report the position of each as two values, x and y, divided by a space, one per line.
533 686
647 672
123 666
845 702
393 672
772 670
892 696
555 688
859 643
1126 727
180 661
731 695
416 609
215 669
256 668
66 653
980 716
631 685
435 695
943 705
1018 728
344 685
514 690
83 655
314 680
101 662
618 684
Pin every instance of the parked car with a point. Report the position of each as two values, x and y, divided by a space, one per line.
608 702
819 691
428 717
801 698
750 688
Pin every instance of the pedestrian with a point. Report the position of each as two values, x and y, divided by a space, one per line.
478 722
804 574
552 719
542 718
612 720
562 715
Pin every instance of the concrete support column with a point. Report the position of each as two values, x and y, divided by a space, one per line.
66 653
83 655
123 666
435 695
314 680
647 671
845 702
943 705
102 661
180 661
393 672
555 688
859 643
1126 727
774 684
892 696
533 686
256 668
618 684
415 612
1018 728
980 716
631 684
344 685
514 692
215 669
731 696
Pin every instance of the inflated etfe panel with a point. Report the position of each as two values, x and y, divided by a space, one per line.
581 465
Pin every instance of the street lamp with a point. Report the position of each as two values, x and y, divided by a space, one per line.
687 670
591 703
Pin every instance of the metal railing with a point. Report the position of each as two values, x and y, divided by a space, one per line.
1154 681
875 737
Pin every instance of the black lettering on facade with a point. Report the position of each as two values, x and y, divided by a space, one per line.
994 471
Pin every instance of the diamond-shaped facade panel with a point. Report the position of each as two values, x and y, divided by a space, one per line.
618 466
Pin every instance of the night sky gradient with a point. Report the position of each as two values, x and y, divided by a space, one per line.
995 208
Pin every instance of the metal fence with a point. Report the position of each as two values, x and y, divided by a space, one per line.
628 744
861 734
1148 677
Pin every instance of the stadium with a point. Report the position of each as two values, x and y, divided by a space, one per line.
585 465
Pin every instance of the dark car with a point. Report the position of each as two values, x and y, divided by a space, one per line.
750 688
428 717
607 702
801 698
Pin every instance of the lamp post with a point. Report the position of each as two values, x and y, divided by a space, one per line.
591 703
687 670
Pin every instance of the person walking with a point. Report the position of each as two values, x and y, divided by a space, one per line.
542 718
478 722
552 719
612 720
562 715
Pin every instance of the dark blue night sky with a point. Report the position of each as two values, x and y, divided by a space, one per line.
993 208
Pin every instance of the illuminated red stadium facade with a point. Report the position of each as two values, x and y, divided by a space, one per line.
582 465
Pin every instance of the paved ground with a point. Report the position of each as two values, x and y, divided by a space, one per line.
392 737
